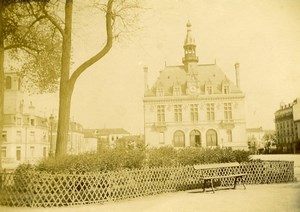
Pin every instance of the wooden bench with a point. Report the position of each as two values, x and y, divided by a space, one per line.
211 172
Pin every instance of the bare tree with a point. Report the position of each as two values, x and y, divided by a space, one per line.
119 17
270 139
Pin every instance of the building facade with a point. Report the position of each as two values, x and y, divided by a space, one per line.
131 141
25 133
257 139
107 137
27 136
90 142
76 138
194 105
287 123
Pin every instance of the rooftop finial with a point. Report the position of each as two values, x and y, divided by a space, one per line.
188 25
189 46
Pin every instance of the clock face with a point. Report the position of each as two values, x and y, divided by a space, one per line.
193 89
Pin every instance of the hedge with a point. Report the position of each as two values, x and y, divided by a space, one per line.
123 158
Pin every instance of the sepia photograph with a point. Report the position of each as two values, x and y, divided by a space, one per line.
146 106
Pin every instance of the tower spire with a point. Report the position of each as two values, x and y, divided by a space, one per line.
189 47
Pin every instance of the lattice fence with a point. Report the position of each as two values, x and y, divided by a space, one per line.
38 189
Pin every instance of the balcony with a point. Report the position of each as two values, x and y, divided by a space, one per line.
160 126
227 124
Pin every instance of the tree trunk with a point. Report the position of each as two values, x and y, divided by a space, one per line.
63 123
67 83
65 92
1 79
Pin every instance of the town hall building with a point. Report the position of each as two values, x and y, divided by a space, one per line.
194 105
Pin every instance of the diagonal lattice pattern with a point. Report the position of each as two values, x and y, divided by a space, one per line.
38 189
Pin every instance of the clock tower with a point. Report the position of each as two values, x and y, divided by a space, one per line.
13 93
190 58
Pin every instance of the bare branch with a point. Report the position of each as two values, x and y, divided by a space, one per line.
21 46
53 21
102 52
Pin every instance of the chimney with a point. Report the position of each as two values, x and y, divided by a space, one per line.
145 79
237 73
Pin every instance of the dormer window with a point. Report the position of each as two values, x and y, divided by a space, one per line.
209 89
226 89
177 91
160 91
225 86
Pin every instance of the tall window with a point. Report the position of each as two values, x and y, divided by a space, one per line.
45 152
195 138
178 138
19 121
8 82
160 113
19 84
19 137
18 153
194 112
32 136
178 113
229 135
32 122
3 152
210 111
161 138
32 151
227 111
4 136
211 138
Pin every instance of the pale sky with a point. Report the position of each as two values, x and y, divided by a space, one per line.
262 35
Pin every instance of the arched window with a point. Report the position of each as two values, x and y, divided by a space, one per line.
211 138
195 138
8 82
178 139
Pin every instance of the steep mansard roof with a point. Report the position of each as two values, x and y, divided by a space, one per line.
202 74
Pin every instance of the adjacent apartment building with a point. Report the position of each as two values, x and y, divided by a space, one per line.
257 140
29 137
108 136
76 143
25 133
194 105
287 123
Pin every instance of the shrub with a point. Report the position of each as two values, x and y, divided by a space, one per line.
241 156
163 156
23 176
111 159
105 160
190 156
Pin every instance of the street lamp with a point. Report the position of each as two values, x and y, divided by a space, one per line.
51 119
